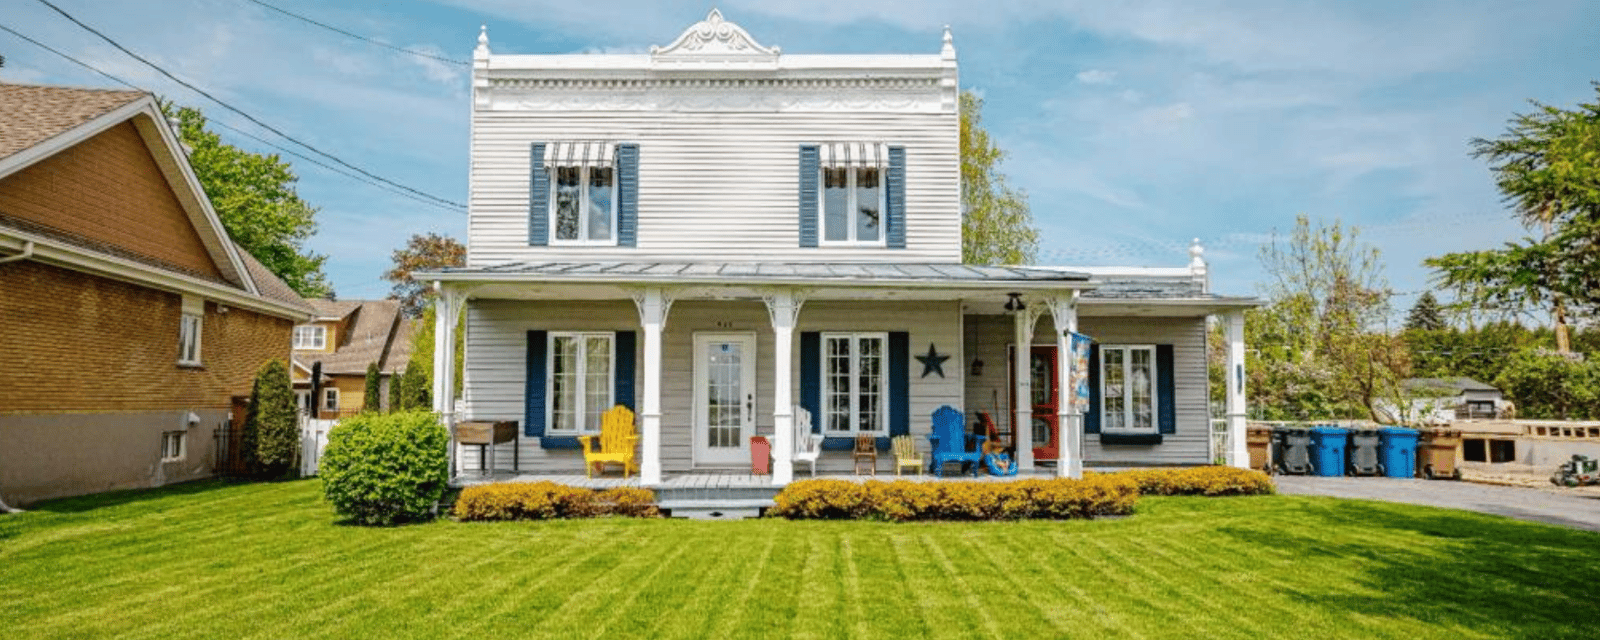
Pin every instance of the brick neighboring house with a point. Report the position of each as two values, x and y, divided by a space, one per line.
131 320
345 337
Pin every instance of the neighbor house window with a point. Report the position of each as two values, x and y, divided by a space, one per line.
173 445
853 383
1127 386
852 205
310 336
330 399
302 400
189 324
580 379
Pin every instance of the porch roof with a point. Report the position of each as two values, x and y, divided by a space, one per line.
823 274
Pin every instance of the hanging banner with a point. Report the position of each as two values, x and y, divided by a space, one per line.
1080 372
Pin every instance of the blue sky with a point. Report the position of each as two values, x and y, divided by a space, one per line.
1133 126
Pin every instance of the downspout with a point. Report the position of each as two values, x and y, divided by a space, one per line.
27 252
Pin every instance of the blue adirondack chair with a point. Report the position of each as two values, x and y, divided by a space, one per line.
951 442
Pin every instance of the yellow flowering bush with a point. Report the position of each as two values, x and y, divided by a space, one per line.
548 500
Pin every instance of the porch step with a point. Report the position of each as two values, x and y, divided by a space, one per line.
685 494
713 509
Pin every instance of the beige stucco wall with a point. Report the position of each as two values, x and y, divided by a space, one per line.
56 455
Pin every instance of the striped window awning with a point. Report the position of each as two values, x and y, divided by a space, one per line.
836 155
580 153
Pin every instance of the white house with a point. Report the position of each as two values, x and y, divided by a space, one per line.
714 232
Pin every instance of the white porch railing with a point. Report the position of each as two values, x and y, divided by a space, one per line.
1218 454
313 439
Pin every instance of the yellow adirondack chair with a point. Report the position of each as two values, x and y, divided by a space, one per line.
906 454
617 439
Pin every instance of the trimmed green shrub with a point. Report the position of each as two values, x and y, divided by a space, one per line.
416 393
383 469
548 500
271 438
396 385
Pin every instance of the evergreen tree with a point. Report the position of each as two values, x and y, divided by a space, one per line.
374 395
396 397
1425 314
270 422
416 393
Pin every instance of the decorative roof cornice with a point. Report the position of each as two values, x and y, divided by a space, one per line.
714 40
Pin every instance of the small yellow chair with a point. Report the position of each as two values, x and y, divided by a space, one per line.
617 441
906 454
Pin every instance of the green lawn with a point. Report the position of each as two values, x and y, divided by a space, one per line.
213 560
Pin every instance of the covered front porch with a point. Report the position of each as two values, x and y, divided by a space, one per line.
709 355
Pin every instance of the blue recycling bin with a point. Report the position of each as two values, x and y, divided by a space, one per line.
1327 450
1397 447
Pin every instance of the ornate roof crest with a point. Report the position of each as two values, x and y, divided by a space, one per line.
714 40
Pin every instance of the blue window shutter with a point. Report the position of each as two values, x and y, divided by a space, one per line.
623 388
533 407
811 376
1091 421
1166 392
628 195
899 386
810 167
538 198
895 194
899 383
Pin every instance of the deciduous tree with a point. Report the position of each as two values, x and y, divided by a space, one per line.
254 196
996 224
423 252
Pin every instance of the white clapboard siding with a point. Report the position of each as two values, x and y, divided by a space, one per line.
496 348
991 338
722 184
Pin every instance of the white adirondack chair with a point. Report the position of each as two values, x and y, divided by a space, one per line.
807 445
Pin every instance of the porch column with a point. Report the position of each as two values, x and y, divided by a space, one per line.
1238 454
447 309
653 304
1064 310
1022 389
783 307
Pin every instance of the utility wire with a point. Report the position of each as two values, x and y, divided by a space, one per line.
237 130
455 205
371 41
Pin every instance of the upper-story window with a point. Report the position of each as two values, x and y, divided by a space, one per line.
852 194
310 336
852 205
582 193
190 323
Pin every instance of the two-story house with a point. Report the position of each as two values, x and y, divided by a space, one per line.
337 346
716 232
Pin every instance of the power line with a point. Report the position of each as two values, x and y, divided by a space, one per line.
456 205
371 41
237 130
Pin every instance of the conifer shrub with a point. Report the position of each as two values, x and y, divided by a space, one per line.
372 400
385 469
271 438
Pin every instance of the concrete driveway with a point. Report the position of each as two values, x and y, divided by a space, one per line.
1579 509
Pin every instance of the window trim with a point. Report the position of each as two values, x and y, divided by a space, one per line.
583 239
825 391
851 224
321 334
1155 392
329 393
582 376
191 326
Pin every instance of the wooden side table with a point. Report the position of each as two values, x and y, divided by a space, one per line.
486 435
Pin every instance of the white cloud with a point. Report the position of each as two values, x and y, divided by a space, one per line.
1096 76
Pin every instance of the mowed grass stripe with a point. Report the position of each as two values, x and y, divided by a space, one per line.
272 561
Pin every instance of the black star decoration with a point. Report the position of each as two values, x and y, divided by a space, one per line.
933 362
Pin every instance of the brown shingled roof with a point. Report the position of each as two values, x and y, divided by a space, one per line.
371 336
37 113
268 284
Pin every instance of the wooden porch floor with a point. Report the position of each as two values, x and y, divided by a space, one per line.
718 480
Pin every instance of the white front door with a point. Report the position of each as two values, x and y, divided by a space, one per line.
724 398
